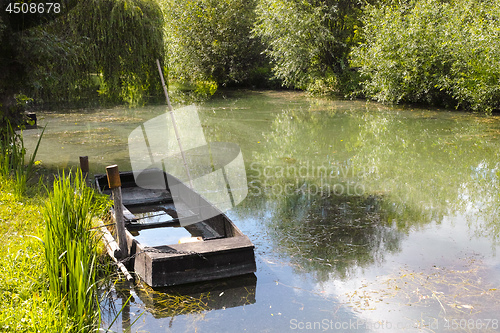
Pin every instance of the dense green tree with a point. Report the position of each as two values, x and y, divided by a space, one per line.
432 51
309 40
122 38
209 40
110 45
13 72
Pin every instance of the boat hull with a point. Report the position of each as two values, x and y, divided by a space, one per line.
224 252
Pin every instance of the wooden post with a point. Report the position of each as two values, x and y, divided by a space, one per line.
84 166
115 184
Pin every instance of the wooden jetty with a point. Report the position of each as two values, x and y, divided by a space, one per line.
219 249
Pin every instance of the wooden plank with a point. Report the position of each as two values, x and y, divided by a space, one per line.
151 225
111 248
213 245
129 217
219 258
139 196
194 268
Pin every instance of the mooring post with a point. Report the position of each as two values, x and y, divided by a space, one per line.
115 184
84 166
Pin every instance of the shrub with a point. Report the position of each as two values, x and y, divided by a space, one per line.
308 40
13 162
430 51
209 40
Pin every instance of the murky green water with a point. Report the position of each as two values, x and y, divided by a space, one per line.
364 217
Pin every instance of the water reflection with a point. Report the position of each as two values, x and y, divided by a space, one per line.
440 168
336 235
213 295
344 197
425 165
349 194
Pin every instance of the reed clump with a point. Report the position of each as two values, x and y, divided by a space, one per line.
72 246
50 284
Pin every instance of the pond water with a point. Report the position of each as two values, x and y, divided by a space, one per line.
365 218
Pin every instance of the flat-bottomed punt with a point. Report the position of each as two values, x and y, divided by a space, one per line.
215 247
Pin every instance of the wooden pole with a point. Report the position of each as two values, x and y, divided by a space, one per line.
84 166
110 243
163 85
115 184
174 123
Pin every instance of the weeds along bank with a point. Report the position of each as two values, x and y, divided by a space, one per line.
72 247
50 256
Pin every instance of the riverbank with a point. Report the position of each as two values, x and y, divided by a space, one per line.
33 259
25 301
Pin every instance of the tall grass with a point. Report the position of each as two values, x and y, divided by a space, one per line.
13 158
71 246
66 260
25 303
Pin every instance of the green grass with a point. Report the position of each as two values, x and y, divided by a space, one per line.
72 246
26 305
49 258
13 158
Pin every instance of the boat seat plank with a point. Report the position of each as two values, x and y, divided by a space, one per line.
210 246
141 196
133 196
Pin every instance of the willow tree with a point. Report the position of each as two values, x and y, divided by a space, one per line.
96 46
122 39
14 22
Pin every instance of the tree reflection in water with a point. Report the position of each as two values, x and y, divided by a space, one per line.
334 235
405 170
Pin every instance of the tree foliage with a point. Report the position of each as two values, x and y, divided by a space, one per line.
432 51
308 40
108 43
426 51
209 40
13 73
105 45
123 38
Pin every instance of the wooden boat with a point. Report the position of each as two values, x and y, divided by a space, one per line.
219 249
